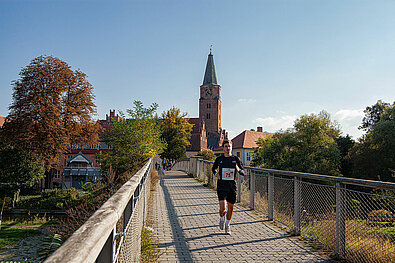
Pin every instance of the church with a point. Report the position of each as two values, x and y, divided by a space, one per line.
207 132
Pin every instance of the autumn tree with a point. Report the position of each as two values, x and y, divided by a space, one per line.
309 147
52 108
134 138
176 131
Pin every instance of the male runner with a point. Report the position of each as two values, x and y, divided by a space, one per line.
228 165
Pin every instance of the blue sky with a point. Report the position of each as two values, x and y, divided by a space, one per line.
275 60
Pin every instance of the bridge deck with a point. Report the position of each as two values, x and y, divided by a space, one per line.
186 215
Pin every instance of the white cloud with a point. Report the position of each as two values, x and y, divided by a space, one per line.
248 101
344 114
349 121
273 124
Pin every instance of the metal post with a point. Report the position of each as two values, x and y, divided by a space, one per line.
270 189
297 203
252 189
107 252
238 196
340 221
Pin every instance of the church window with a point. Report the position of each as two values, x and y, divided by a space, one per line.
208 116
208 106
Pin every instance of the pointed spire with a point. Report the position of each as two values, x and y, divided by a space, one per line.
209 76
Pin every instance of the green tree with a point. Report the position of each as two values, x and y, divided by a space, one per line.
134 140
309 147
176 131
372 115
52 108
20 169
345 144
373 157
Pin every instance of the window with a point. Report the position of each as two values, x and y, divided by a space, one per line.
208 106
57 174
238 154
208 116
97 160
248 157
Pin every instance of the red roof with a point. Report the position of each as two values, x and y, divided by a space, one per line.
248 139
2 120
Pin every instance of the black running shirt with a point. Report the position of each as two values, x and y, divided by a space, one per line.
227 171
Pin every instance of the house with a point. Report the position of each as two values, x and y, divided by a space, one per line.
244 144
79 170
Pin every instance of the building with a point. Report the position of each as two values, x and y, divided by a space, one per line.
81 164
243 144
207 132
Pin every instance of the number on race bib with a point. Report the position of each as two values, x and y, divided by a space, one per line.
228 174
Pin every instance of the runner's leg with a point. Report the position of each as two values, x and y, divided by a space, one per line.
229 213
222 210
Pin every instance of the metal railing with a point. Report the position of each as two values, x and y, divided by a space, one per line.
113 232
353 218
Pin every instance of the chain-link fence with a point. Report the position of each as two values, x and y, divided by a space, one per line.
113 232
353 218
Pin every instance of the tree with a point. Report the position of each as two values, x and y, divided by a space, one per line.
176 131
134 140
52 108
373 157
372 115
20 169
309 147
345 144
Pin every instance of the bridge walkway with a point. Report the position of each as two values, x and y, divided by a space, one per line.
186 215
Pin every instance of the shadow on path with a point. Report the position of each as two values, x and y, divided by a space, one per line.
181 246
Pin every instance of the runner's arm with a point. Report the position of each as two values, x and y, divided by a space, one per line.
215 166
239 167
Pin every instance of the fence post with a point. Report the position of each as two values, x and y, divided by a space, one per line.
252 189
270 189
340 221
107 252
238 197
297 203
197 167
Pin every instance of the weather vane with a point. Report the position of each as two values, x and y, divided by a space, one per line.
211 48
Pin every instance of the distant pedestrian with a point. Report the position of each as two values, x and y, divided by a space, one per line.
228 165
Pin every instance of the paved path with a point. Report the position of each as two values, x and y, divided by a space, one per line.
186 214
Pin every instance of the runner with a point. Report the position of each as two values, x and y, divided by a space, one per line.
228 165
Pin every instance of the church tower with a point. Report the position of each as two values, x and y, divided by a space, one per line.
210 105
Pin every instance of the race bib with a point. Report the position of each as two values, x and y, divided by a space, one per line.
228 174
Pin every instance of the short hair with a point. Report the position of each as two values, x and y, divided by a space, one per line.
225 142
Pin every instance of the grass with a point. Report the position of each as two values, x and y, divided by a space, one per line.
15 229
149 244
10 236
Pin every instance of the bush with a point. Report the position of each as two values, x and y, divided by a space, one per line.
54 199
207 155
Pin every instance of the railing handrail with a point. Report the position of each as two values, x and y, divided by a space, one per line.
86 243
344 180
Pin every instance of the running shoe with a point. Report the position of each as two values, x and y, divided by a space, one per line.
227 230
221 224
